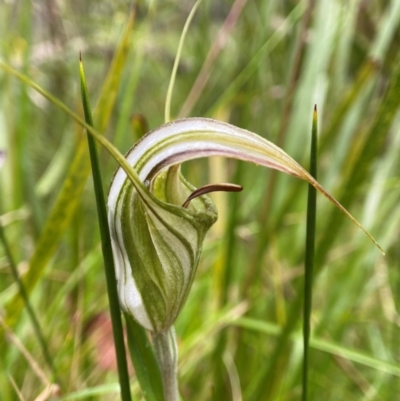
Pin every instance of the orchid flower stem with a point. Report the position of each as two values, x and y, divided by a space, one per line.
167 356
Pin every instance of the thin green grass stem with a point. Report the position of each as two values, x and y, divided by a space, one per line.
107 251
31 313
167 115
309 255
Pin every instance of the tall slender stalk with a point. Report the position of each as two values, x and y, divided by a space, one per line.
167 113
107 252
309 254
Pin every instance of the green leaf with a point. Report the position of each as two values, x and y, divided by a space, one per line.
118 334
309 254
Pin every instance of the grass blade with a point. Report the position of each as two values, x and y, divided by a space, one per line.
167 114
107 251
309 253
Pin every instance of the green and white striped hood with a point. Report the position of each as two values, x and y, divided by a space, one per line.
156 242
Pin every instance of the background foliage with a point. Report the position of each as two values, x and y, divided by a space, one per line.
261 65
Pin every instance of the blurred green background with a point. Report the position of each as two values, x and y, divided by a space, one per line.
261 65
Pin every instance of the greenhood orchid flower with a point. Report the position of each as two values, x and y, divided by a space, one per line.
157 229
